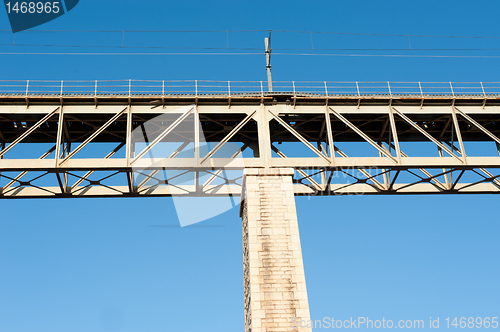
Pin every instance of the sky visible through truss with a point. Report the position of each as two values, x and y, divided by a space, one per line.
126 265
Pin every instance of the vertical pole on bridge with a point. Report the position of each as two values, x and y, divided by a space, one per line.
274 280
267 43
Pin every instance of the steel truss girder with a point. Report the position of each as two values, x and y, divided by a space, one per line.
449 124
354 182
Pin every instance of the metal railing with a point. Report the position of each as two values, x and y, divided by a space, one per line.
205 87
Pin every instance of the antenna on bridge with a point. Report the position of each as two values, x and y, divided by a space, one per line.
267 42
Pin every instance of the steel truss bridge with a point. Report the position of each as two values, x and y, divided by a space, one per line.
86 139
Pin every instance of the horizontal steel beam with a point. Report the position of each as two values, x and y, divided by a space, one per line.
120 164
235 190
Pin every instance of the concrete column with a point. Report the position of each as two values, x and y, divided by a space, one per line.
274 281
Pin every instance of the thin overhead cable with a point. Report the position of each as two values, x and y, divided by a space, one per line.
126 53
137 47
250 48
391 55
198 50
387 34
137 31
228 48
248 53
266 30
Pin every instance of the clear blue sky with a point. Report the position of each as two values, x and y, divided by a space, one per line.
104 265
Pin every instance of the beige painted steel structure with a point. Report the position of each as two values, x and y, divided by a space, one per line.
338 144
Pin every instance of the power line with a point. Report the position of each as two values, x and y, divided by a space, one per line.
266 30
388 34
138 31
189 50
247 53
226 32
137 47
126 53
391 55
251 48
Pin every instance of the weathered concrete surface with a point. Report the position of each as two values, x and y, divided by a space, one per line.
274 281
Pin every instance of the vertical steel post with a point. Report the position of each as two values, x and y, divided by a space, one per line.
267 42
27 90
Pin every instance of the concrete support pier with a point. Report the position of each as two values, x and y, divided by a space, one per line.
274 280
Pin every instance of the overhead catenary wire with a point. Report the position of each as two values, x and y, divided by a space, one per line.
263 30
190 50
387 34
249 48
246 53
